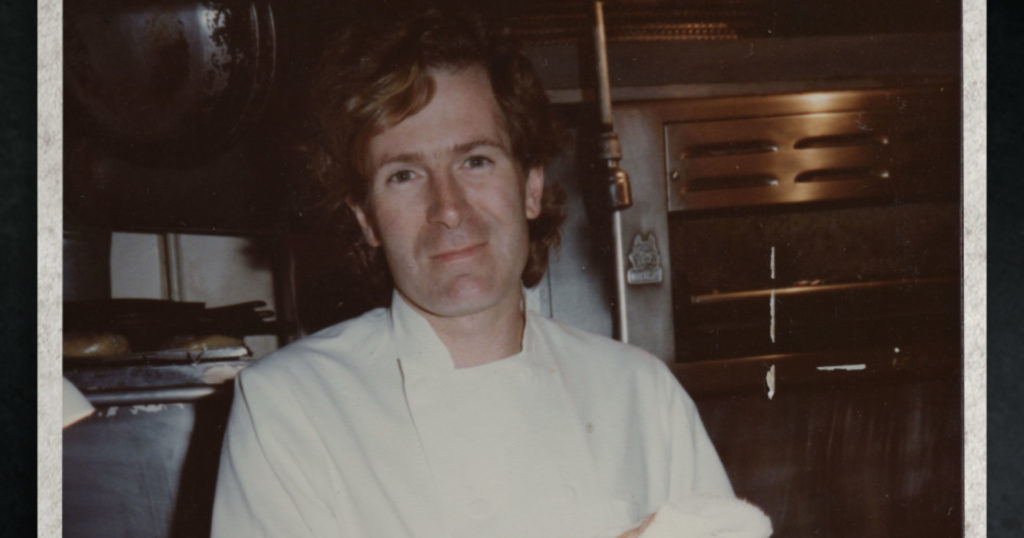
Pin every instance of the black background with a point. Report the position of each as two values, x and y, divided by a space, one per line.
18 267
1005 260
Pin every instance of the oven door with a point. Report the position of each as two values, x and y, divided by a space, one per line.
796 259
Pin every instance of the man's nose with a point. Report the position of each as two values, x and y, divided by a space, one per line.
448 205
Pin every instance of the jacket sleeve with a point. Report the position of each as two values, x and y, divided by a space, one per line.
263 488
701 500
695 466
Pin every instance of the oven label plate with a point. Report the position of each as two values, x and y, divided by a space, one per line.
644 261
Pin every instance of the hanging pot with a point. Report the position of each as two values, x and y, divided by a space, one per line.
168 83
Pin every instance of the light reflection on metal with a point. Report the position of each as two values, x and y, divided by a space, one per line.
818 101
149 396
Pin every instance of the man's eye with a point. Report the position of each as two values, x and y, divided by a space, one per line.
477 161
400 177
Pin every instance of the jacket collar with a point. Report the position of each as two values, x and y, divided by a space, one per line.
419 346
415 340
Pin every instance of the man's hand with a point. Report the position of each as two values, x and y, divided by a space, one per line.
637 532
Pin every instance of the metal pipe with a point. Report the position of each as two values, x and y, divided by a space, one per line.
616 179
621 321
601 50
174 280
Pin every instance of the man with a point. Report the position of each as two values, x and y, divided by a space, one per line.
456 411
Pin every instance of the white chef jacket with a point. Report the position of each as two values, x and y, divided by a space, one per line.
367 429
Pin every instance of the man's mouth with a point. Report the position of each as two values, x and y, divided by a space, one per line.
458 253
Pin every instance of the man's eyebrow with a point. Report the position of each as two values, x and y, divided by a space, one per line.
401 158
473 144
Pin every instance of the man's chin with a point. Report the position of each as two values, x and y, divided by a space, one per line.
465 297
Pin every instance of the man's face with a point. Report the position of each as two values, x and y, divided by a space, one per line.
448 203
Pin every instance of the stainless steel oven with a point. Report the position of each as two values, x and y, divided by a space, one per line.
793 253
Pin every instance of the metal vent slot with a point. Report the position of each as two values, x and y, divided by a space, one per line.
785 166
743 147
842 140
843 174
803 148
740 181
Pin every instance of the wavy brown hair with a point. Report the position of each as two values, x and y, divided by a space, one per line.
375 74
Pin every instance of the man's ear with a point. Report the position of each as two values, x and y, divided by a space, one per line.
365 222
534 192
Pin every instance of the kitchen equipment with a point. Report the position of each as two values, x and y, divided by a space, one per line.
168 83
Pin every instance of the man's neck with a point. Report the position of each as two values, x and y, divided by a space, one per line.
482 337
